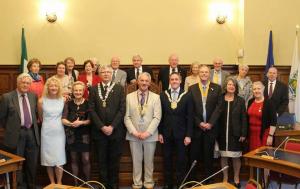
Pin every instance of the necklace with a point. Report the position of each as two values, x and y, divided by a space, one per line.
142 108
78 103
103 98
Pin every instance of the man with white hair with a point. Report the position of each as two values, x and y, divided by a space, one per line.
143 114
165 72
217 75
21 135
118 76
107 109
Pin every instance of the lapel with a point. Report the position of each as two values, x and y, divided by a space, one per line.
210 91
276 88
15 100
31 103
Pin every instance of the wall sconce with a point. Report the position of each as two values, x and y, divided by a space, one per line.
221 19
53 10
51 17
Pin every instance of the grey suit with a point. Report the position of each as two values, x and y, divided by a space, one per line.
18 139
224 75
142 149
120 77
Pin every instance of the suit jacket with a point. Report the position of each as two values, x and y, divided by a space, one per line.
10 114
224 75
269 117
239 121
151 118
120 77
163 77
280 96
176 122
131 73
213 107
112 114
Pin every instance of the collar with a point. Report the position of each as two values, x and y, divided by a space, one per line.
107 84
140 92
274 82
176 69
177 90
217 72
19 94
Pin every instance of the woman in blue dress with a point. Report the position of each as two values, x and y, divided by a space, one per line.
53 138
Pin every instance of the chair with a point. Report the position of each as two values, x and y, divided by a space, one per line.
252 184
291 145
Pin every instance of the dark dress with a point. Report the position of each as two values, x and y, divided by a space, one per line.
78 139
228 143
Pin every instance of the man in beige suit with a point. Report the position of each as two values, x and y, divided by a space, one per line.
143 114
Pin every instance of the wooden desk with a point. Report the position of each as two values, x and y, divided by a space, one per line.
12 164
221 185
60 186
280 135
282 165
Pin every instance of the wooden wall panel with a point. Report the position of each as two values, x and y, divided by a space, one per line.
8 76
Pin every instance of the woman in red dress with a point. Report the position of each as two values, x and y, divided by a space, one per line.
262 118
88 77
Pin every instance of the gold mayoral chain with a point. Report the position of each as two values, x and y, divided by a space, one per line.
103 99
204 93
142 108
174 102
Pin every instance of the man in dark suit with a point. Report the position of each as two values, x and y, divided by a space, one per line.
276 91
175 129
207 109
163 75
133 73
107 106
19 113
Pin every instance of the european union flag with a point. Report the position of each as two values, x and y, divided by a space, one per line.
270 58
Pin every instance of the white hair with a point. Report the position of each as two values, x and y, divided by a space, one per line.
22 76
145 74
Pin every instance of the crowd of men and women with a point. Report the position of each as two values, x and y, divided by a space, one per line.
192 117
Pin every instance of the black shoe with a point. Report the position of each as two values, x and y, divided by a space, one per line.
237 185
168 186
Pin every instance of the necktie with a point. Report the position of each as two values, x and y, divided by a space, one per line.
142 99
216 78
174 97
270 90
204 103
173 70
114 75
137 73
27 119
105 89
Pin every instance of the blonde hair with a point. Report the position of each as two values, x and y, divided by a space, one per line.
78 83
56 81
196 63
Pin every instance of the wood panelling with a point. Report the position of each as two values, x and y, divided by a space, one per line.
8 76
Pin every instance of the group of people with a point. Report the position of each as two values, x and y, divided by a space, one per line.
190 117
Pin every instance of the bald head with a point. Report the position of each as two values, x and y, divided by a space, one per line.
272 74
218 63
173 60
115 62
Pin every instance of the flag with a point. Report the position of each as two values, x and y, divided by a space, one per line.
23 67
294 86
270 58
